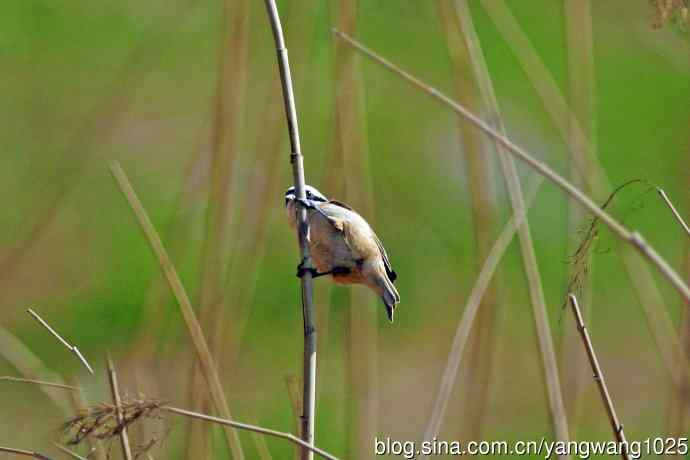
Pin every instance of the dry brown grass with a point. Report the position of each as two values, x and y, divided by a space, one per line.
104 422
671 11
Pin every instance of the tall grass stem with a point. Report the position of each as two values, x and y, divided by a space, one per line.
208 364
309 368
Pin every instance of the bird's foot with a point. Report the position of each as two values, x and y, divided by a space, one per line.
302 269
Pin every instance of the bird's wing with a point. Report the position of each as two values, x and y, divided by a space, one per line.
341 204
338 223
386 262
334 216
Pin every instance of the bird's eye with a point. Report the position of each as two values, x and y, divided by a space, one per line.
308 193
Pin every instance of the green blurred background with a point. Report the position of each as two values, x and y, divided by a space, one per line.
82 84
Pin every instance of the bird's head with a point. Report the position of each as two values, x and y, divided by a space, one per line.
312 194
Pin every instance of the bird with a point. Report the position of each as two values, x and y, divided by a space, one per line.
342 244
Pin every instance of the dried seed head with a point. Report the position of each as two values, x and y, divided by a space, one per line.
101 422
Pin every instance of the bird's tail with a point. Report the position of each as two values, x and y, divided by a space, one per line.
390 297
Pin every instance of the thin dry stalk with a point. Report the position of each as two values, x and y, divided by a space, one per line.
309 382
256 429
31 367
114 389
464 328
644 285
616 426
673 209
71 348
633 238
9 378
581 268
529 258
208 364
481 181
578 22
22 452
353 148
68 452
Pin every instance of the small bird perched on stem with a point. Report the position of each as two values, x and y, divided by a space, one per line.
343 245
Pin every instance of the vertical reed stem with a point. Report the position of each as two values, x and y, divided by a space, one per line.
309 390
517 200
481 182
616 425
124 437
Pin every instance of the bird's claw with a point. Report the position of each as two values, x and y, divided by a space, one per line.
301 270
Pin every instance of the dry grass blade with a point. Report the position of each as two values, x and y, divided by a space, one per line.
631 237
114 389
480 177
24 453
309 381
469 312
71 348
31 367
673 209
529 258
68 452
643 282
207 362
9 378
616 426
256 429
